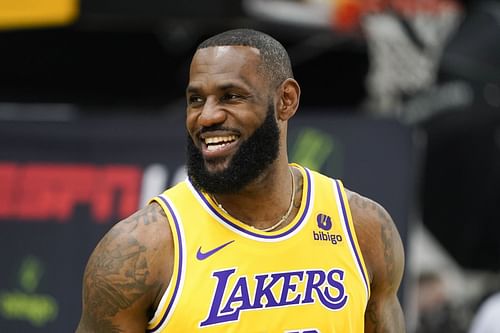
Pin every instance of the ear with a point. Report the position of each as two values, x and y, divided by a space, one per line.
289 97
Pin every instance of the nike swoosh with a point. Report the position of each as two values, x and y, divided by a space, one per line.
204 255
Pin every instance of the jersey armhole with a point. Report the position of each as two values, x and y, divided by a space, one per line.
171 295
351 231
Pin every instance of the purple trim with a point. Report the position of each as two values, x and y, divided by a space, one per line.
248 232
179 272
349 233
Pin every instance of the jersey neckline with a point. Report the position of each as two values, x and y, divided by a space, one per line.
247 231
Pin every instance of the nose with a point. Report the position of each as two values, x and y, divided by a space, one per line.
211 114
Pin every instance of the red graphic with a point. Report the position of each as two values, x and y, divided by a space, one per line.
409 7
347 14
44 191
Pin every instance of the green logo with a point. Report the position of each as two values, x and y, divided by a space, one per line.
25 304
318 150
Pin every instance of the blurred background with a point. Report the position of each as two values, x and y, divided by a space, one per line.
401 100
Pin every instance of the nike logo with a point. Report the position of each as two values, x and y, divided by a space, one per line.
204 255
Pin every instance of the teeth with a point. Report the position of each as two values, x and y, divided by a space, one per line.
220 139
215 147
218 142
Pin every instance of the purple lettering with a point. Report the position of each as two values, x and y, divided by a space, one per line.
313 283
289 287
263 290
317 285
340 300
213 315
324 296
238 295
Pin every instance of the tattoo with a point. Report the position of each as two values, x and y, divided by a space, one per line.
145 216
386 233
371 315
383 313
387 320
128 271
117 273
105 326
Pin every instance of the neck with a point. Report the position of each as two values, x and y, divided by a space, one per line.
268 204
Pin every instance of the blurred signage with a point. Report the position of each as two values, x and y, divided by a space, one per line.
60 188
35 13
23 302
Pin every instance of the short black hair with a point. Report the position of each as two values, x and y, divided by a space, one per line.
275 61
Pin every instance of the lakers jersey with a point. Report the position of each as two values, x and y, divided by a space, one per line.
229 277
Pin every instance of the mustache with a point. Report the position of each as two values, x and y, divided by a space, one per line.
216 127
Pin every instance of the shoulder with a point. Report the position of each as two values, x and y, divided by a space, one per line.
378 239
146 232
143 243
128 269
149 226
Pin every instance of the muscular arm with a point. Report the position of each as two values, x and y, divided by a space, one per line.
126 274
383 253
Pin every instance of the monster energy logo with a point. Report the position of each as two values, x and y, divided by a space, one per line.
313 148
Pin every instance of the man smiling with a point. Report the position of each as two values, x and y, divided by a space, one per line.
249 242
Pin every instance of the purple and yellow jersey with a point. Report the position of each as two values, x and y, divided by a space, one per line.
229 277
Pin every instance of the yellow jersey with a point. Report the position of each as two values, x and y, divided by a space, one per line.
307 277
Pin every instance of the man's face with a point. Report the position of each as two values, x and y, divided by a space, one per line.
233 134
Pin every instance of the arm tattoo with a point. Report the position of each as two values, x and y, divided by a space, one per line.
117 273
146 216
386 231
373 316
388 241
390 320
383 313
118 277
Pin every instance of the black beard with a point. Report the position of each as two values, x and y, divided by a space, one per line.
253 157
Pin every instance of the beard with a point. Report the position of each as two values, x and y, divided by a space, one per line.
251 159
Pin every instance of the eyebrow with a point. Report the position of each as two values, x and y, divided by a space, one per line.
230 85
223 87
191 89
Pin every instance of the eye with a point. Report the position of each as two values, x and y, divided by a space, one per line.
231 97
195 100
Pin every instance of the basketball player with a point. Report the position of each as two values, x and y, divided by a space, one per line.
249 243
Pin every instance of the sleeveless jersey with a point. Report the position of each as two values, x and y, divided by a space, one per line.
308 277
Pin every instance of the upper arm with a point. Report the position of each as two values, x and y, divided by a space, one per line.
126 273
383 253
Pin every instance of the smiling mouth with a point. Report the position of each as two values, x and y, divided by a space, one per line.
219 142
